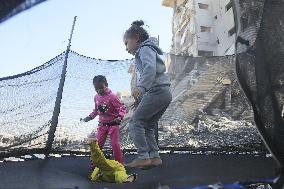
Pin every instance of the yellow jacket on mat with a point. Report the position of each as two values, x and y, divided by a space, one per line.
106 170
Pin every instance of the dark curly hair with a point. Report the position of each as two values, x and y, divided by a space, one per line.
100 79
136 30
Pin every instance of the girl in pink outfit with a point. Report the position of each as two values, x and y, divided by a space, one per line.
110 111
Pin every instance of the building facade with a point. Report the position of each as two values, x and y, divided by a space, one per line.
202 27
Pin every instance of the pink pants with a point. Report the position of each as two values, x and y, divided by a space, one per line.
113 132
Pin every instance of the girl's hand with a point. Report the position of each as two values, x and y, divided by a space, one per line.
117 120
136 94
86 119
90 140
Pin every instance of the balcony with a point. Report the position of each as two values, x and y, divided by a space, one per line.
184 20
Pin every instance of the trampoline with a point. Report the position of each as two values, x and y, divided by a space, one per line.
178 170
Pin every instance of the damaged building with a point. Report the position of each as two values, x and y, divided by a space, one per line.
202 60
202 27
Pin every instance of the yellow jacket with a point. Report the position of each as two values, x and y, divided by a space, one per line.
106 170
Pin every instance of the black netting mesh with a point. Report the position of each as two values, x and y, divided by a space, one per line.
198 118
260 66
26 106
209 110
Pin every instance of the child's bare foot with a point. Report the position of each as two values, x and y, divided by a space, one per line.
89 140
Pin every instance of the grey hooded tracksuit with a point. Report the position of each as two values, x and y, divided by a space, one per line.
156 97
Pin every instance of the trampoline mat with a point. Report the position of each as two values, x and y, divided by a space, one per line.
178 170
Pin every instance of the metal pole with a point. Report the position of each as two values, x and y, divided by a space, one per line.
156 129
56 111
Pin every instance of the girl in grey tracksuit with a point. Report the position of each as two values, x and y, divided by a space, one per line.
152 93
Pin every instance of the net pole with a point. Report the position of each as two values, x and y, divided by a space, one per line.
56 111
156 129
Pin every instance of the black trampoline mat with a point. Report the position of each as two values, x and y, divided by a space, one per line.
178 170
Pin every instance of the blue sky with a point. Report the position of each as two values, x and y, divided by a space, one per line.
39 34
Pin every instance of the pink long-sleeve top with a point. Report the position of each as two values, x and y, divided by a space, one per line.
108 107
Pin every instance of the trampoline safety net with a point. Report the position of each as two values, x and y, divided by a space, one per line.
28 100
